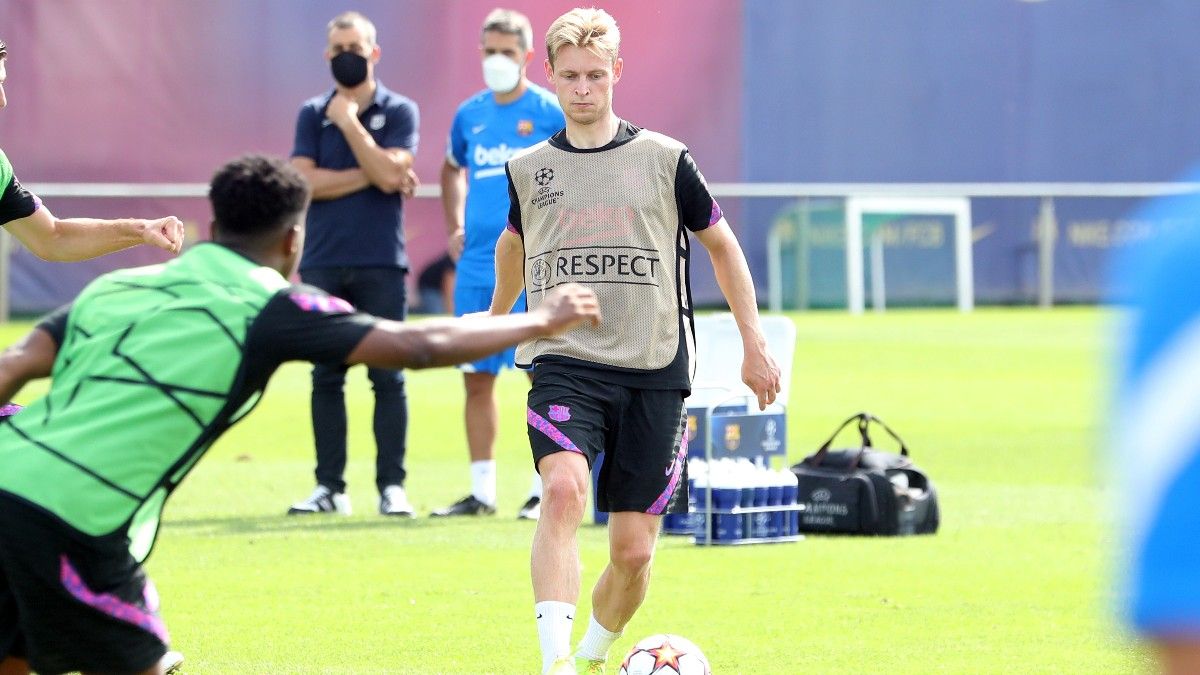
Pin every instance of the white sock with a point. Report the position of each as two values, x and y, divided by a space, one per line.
554 630
596 641
535 488
483 481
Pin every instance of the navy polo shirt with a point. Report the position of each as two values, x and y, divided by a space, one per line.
364 228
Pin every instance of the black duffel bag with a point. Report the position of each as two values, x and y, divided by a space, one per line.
864 490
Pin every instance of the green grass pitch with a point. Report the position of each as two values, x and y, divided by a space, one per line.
1002 407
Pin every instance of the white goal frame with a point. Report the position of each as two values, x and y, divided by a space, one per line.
858 207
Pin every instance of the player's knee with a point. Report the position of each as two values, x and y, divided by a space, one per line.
563 492
633 559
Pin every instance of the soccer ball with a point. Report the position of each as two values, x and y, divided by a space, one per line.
665 655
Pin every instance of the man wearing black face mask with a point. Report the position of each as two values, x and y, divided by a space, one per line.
355 146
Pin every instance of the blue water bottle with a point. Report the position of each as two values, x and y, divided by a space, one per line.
761 493
791 491
725 497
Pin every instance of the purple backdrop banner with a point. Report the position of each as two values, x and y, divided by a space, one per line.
165 91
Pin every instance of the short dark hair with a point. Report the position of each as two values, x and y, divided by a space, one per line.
510 22
254 195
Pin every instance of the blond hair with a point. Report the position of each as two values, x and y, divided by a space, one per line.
354 20
509 22
592 29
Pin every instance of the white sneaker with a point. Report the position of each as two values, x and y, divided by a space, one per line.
322 500
171 662
532 510
394 502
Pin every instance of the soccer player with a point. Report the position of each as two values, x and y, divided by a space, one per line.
611 205
1157 435
355 145
150 366
65 239
488 129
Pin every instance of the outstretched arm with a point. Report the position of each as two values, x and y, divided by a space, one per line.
30 359
759 370
68 239
445 342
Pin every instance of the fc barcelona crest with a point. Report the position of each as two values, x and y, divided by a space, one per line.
560 413
733 437
524 127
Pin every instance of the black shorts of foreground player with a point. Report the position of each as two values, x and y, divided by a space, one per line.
150 366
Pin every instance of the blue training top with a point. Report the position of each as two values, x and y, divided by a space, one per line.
364 228
1157 412
483 136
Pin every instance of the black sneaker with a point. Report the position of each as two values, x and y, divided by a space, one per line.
467 506
532 510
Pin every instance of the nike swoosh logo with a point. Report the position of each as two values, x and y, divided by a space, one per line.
479 128
570 618
539 616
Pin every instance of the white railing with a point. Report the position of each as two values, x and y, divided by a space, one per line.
859 194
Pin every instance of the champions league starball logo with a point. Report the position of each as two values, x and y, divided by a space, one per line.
540 273
771 441
543 176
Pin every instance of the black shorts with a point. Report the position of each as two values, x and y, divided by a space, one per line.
642 433
72 604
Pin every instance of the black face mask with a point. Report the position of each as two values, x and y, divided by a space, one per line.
349 69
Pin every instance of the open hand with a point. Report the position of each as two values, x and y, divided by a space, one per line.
761 374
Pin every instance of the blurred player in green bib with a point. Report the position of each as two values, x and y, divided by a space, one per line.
150 366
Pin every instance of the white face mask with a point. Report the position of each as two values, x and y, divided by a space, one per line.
501 74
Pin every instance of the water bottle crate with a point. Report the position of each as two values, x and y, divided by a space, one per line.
753 540
747 525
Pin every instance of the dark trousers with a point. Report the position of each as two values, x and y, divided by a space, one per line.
379 291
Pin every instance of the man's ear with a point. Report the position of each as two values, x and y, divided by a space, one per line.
293 239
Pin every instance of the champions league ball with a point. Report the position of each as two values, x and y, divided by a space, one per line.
665 655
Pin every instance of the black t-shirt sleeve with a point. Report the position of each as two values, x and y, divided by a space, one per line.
55 323
514 206
304 323
16 202
697 208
